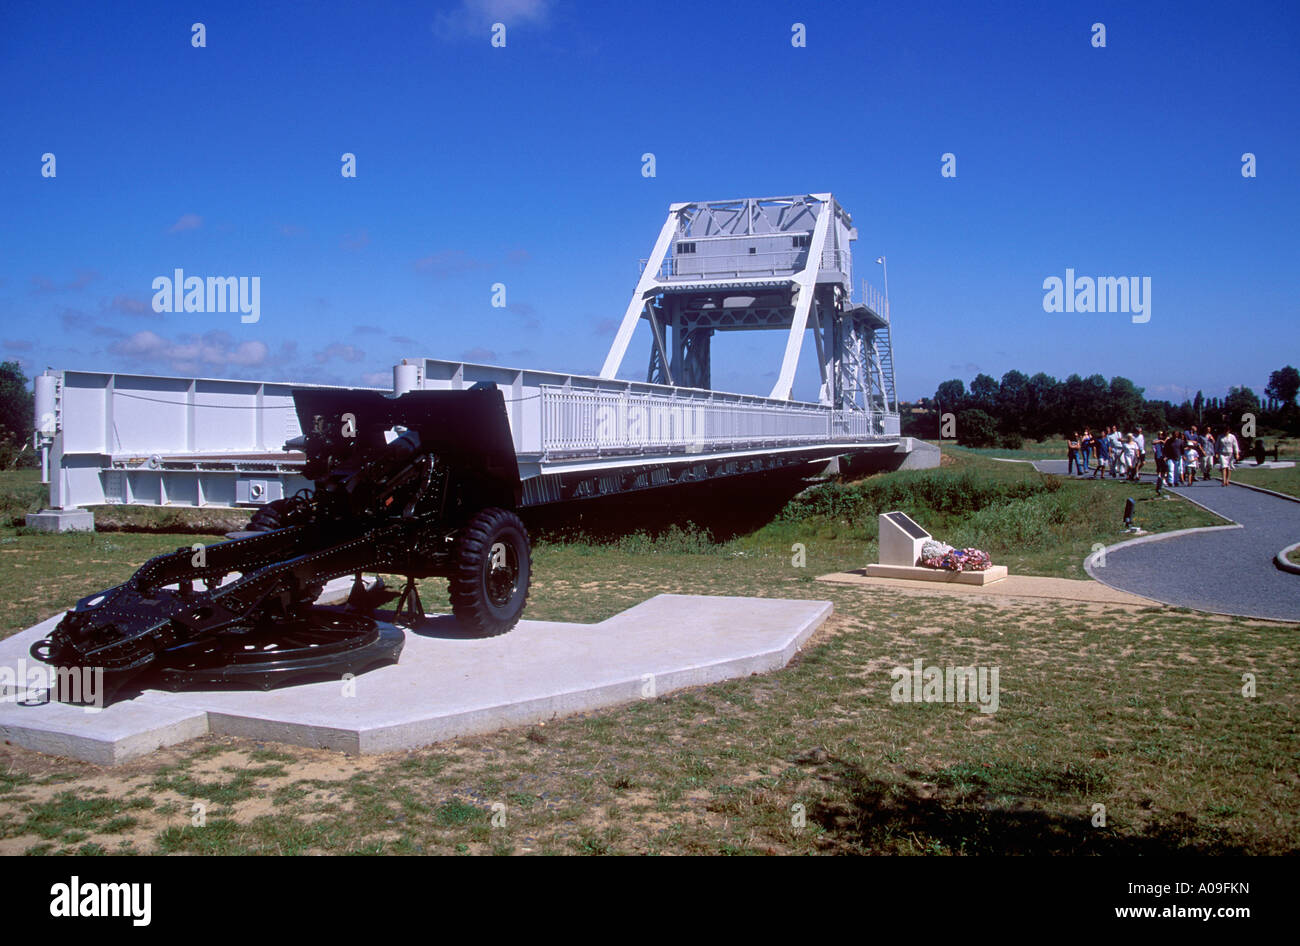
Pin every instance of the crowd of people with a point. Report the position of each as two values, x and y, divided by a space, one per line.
1178 455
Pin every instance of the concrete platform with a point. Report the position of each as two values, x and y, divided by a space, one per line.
1015 586
446 685
61 520
941 575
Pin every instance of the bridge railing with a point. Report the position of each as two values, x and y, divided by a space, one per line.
874 299
576 420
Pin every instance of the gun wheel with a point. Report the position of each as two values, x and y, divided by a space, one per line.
489 582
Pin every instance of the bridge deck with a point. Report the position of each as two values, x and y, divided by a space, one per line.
196 442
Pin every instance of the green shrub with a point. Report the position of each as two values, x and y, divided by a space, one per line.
976 429
1027 524
930 492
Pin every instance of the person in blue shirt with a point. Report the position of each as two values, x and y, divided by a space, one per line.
1174 457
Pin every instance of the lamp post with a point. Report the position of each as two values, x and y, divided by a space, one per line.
885 267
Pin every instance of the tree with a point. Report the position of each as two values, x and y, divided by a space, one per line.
1239 401
16 409
1124 403
1284 384
975 428
984 393
1073 416
1153 416
1093 402
919 420
1045 407
1012 402
951 396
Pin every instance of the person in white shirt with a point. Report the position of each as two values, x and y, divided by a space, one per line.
1229 451
1130 457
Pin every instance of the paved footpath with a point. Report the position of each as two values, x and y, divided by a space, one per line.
1227 571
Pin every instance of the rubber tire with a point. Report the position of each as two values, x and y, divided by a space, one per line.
270 517
474 610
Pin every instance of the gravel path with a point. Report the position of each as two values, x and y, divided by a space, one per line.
1227 571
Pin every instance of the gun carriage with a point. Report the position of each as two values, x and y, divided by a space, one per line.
422 485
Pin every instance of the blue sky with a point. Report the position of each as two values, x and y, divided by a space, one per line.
521 165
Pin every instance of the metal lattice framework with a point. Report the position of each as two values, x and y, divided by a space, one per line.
768 263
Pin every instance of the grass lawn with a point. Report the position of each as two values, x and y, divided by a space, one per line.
1139 710
21 492
1285 480
1034 524
1053 448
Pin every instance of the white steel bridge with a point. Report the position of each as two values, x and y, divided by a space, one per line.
779 264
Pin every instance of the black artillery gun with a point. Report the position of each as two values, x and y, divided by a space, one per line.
421 485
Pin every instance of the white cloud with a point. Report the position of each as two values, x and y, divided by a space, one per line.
475 17
349 353
186 222
447 263
191 353
130 305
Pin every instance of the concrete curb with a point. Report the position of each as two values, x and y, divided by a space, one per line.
1280 560
1285 564
1271 492
1090 562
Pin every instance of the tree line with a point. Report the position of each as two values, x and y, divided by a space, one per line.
1037 407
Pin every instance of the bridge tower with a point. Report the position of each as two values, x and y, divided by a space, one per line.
765 263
